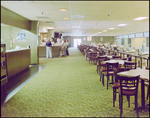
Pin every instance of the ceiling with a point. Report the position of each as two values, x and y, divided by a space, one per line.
85 18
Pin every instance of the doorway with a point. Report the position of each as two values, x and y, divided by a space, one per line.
77 42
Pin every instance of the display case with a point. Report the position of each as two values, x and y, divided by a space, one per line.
43 39
4 78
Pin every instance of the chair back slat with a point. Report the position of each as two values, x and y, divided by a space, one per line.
130 65
128 84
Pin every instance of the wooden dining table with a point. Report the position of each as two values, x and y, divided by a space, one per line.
144 76
121 62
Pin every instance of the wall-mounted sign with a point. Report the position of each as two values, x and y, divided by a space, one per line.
21 37
89 39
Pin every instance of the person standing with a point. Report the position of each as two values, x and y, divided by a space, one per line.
143 45
65 47
48 50
67 42
52 42
61 48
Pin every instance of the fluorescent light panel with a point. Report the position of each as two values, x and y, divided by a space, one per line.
122 24
49 28
140 18
104 30
111 28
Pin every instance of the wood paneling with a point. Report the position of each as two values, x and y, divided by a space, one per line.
55 51
17 61
42 51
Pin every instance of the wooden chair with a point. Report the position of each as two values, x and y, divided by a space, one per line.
89 56
102 65
116 57
130 65
97 61
110 71
116 85
93 57
147 84
127 88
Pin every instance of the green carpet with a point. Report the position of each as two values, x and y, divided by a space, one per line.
67 87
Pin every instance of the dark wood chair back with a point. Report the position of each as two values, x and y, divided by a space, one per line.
127 87
130 65
116 57
112 66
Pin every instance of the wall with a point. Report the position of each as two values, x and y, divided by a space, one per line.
95 39
18 24
134 42
13 19
8 33
138 41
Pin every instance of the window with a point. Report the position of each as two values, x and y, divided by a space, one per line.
129 42
122 41
147 42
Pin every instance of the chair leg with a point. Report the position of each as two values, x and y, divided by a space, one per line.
128 98
121 105
112 80
107 81
100 75
147 92
119 101
103 79
114 96
136 106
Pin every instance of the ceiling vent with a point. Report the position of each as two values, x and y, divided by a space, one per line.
43 18
49 22
77 16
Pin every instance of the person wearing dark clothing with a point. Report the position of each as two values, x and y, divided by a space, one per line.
48 49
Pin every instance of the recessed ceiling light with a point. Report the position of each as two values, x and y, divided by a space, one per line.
140 18
122 24
111 28
63 9
104 30
65 18
49 28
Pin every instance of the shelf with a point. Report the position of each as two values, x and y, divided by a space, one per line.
4 79
3 72
2 59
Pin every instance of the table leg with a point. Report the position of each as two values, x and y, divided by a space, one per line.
141 63
142 93
143 96
135 62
